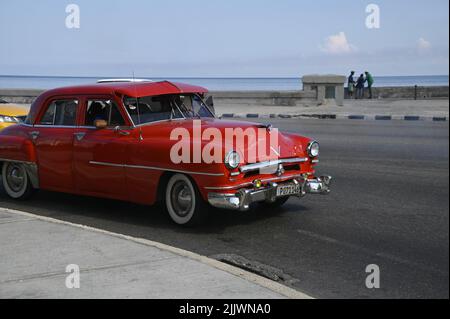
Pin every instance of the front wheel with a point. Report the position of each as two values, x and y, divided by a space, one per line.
16 182
183 201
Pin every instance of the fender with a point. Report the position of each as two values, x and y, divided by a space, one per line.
22 150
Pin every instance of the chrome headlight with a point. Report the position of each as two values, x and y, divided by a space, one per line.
8 119
232 160
313 149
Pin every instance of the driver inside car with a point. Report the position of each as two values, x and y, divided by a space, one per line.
96 112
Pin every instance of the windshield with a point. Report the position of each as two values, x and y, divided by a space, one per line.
149 109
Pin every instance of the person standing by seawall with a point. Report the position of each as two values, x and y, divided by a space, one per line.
351 84
360 87
369 79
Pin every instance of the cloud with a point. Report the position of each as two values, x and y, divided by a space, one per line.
338 44
423 45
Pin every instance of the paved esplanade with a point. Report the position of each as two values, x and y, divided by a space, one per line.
398 109
45 258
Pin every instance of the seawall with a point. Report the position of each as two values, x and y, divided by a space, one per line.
409 92
270 98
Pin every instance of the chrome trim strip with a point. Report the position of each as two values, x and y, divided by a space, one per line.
54 126
242 199
154 168
106 164
260 165
125 127
272 179
160 121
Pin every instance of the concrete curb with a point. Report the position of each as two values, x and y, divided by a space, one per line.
339 116
248 276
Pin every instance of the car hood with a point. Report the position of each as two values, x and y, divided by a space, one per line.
287 146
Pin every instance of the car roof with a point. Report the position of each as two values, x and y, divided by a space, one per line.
133 89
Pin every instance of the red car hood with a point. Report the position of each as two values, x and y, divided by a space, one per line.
287 146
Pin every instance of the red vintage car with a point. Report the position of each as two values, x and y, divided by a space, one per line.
116 140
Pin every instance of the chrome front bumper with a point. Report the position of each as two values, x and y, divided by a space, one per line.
242 199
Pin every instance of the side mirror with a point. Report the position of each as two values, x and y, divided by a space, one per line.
210 103
100 124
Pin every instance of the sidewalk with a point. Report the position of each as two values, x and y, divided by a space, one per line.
352 109
35 252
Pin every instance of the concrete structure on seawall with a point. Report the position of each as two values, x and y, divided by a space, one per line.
326 87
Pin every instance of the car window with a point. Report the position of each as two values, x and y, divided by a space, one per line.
165 107
103 110
152 108
199 107
60 113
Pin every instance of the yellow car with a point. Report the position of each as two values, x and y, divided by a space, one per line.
11 114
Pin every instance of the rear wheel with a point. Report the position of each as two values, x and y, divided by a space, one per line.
16 182
183 201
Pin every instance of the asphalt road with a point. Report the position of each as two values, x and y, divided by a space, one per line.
389 207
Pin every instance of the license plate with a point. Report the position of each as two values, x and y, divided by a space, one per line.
287 190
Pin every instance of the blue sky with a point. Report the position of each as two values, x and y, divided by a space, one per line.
176 38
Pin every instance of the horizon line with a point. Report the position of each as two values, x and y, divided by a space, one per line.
199 77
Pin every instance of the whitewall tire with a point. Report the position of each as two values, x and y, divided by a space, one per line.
183 201
15 180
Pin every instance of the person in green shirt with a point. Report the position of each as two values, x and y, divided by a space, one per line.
369 79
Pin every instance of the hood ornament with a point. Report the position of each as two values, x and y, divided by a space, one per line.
268 127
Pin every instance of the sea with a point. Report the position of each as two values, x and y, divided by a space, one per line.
214 84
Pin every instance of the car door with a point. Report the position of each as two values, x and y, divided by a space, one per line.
100 155
53 137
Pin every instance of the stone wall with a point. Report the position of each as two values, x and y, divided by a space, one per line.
408 92
269 98
265 98
20 96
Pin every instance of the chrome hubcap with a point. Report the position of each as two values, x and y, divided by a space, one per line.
181 198
15 176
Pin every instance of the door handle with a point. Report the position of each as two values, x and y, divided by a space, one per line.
34 135
121 132
79 135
